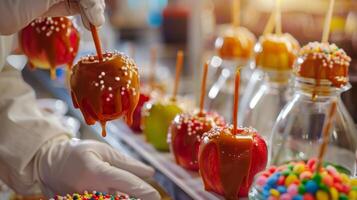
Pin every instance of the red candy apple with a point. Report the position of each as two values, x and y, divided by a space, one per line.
49 42
136 125
228 162
185 133
105 89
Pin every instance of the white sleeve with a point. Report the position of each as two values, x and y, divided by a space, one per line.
23 130
16 14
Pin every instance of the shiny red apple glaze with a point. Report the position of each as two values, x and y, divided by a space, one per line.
185 134
105 90
136 125
228 162
50 42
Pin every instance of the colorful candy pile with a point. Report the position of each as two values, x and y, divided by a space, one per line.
298 181
94 196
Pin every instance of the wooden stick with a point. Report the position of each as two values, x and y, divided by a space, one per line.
236 13
179 63
277 17
326 31
203 87
236 101
153 59
97 43
269 27
326 134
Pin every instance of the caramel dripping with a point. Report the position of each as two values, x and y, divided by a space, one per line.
89 98
234 170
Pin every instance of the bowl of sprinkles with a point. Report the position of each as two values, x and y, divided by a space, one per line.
94 196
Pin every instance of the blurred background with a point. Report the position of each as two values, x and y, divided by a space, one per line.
137 26
169 25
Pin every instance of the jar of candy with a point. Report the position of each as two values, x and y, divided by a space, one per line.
321 75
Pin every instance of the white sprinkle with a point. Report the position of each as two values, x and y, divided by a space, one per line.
96 84
108 99
110 88
101 82
103 73
52 27
117 78
43 28
122 93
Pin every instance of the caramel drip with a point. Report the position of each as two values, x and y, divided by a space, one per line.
234 157
43 39
317 81
105 90
313 67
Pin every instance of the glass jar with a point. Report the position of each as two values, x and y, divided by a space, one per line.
261 109
297 132
221 89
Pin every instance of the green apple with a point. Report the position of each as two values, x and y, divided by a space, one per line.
157 117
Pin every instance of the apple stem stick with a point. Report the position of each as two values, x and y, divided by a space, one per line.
270 24
277 17
203 87
153 59
236 13
326 134
326 30
236 101
179 63
98 46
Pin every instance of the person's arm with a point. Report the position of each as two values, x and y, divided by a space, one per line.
36 151
16 14
24 129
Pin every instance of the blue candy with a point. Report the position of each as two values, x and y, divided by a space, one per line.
272 180
311 187
297 197
281 189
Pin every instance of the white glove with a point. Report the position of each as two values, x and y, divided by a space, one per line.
75 166
18 13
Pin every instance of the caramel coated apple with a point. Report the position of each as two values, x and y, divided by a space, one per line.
185 134
276 52
50 42
235 43
105 90
229 161
323 61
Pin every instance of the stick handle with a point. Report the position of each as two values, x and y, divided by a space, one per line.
326 134
236 101
236 13
203 87
98 46
179 63
278 17
269 27
326 31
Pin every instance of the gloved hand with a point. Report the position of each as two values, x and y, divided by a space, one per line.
21 12
77 165
92 11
